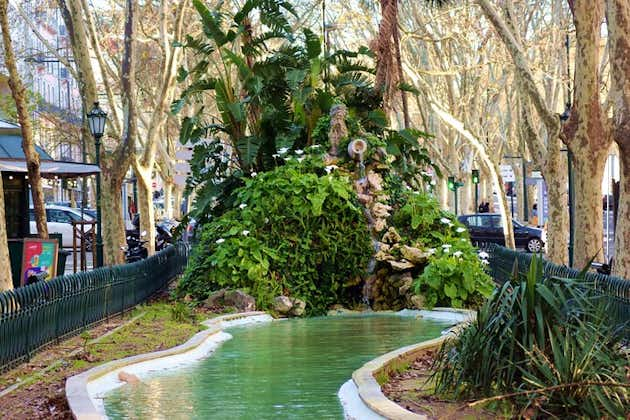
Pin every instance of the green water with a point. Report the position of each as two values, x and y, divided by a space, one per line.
289 369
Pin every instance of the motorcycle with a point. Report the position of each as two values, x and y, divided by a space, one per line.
163 228
135 249
164 235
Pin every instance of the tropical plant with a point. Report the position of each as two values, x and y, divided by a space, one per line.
273 91
543 344
296 231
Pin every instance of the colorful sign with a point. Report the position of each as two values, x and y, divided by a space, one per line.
39 256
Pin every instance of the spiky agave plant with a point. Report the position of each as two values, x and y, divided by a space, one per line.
541 343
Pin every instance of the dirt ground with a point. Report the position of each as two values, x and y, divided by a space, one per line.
411 389
42 395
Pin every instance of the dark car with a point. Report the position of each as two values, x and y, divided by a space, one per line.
487 227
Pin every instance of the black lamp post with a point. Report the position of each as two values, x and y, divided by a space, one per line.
96 120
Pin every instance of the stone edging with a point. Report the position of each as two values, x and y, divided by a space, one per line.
77 394
370 391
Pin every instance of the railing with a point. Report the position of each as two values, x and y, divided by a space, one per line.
43 313
615 290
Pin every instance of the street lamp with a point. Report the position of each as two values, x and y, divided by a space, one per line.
96 121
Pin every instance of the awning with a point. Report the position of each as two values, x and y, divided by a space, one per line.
51 168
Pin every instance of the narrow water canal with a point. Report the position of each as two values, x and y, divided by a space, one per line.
281 370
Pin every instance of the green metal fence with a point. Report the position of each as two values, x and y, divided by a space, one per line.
615 290
37 315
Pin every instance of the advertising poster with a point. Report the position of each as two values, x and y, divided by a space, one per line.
39 256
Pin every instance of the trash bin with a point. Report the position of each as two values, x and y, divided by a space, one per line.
62 256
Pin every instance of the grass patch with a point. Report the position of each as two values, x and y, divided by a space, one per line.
42 380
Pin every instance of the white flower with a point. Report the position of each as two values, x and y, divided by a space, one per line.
445 220
330 168
450 224
425 173
315 146
446 250
457 253
266 220
433 182
254 174
484 255
283 150
288 158
300 159
275 155
220 241
460 230
485 262
416 192
245 232
242 206
299 152
446 246
431 251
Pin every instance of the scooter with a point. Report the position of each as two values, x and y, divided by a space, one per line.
163 236
135 249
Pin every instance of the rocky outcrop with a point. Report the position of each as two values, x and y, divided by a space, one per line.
299 307
226 298
287 306
282 304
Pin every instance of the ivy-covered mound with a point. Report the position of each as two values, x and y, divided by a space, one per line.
291 232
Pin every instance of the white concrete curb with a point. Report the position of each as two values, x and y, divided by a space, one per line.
82 405
368 389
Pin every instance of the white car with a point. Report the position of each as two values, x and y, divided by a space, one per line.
59 220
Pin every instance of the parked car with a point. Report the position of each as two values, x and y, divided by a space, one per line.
59 219
487 227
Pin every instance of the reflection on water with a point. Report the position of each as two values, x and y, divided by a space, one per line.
281 370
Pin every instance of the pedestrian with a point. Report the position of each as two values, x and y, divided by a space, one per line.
535 214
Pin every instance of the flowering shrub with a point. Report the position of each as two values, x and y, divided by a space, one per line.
454 274
297 231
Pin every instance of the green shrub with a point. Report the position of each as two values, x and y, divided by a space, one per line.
295 230
454 276
547 342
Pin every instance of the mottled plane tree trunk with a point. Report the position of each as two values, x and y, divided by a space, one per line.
618 19
586 133
28 143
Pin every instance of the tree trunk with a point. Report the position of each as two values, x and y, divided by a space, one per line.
168 196
621 265
442 192
588 222
6 281
145 206
468 196
586 134
28 144
179 197
558 226
618 20
111 212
